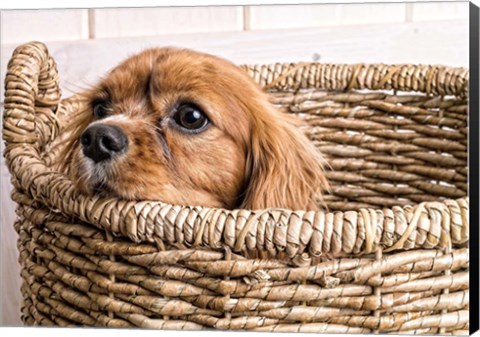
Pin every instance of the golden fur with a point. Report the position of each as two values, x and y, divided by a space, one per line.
251 156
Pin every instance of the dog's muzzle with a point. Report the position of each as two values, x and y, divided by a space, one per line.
102 142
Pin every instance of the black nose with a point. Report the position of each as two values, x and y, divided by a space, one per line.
101 142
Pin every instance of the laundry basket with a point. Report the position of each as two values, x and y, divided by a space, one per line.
389 256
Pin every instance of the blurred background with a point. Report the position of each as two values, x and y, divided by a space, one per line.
87 42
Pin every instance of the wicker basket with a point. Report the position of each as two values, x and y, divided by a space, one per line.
390 256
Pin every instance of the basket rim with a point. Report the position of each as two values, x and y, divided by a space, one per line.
440 79
35 84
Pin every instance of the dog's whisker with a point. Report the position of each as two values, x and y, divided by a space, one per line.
150 125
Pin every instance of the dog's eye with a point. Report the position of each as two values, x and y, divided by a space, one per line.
100 110
190 117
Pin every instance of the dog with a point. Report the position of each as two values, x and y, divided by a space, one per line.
188 128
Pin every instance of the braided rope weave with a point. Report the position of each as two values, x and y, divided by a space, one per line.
390 256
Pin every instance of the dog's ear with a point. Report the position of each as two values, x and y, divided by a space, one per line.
284 168
77 123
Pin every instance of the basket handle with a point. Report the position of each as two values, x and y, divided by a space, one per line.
31 87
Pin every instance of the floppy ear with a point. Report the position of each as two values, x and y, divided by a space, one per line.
284 168
78 122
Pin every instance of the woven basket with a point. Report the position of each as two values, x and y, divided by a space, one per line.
390 256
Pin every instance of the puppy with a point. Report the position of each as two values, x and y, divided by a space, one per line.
189 128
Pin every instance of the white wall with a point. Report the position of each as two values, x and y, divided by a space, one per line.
87 42
62 25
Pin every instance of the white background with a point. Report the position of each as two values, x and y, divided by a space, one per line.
87 42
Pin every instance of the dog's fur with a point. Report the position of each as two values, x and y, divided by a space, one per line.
251 156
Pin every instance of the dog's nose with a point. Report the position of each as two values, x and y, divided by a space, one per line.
101 142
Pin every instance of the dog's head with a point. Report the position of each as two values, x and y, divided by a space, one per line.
192 129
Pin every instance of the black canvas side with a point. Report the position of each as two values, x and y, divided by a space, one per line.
474 167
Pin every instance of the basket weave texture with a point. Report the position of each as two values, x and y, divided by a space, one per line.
389 256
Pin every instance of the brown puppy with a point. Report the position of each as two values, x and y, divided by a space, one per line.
189 128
